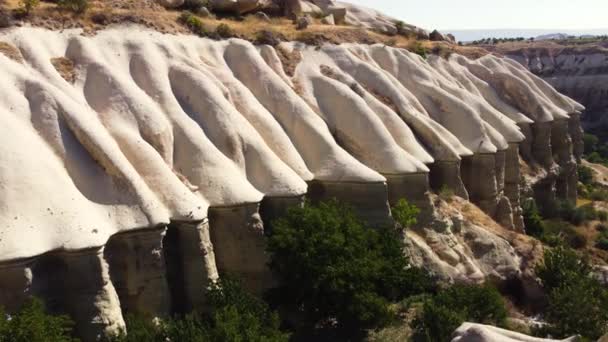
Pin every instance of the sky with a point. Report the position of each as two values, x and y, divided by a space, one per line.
496 14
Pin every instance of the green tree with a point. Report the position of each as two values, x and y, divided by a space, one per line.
562 266
405 214
33 324
578 308
591 143
532 219
443 313
239 316
585 175
335 269
578 303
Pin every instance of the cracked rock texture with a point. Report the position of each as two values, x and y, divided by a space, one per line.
166 159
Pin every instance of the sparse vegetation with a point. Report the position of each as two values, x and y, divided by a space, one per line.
193 23
28 5
446 193
317 250
76 6
560 229
419 49
224 31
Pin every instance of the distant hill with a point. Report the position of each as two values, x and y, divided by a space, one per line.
556 36
470 35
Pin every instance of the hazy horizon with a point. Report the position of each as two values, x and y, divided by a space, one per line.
466 15
470 35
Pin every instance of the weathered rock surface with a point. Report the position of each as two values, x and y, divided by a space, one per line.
166 159
579 72
472 332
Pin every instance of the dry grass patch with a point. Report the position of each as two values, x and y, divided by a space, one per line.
289 59
11 52
65 68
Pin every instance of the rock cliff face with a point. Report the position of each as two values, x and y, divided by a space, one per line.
579 72
161 160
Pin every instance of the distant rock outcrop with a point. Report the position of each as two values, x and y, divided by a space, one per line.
163 159
579 72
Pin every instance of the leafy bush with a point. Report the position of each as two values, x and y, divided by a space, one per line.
578 308
578 303
224 31
33 324
193 23
591 143
234 316
602 239
532 219
405 214
76 6
585 175
419 49
599 195
562 266
595 151
443 313
334 269
446 193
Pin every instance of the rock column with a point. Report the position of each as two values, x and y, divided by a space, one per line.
238 239
447 174
15 284
191 264
370 200
88 296
138 272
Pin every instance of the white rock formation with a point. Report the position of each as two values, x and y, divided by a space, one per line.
471 332
168 156
580 72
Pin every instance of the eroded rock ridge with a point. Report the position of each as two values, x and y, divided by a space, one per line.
144 164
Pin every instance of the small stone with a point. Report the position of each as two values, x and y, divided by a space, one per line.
204 12
329 20
302 23
437 36
262 16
